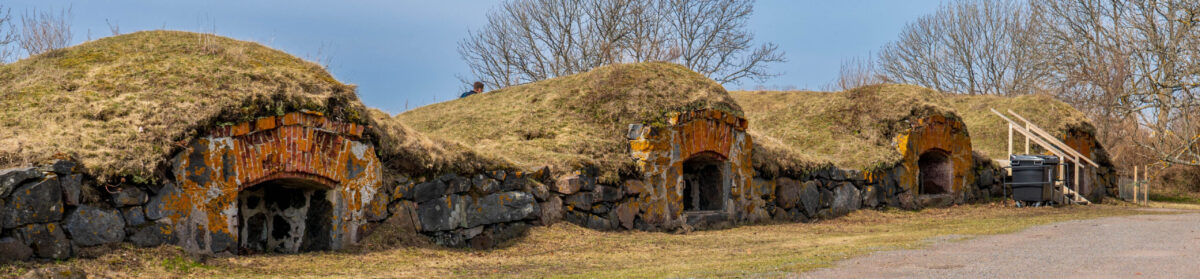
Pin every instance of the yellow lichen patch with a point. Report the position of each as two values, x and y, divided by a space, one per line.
660 153
213 170
940 133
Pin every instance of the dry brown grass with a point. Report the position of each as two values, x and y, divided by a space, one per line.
989 133
573 121
1179 184
856 128
120 103
850 129
406 150
565 250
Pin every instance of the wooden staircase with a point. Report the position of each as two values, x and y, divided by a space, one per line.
1043 139
1074 197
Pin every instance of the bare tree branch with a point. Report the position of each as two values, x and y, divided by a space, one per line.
8 35
530 40
969 46
1137 60
45 31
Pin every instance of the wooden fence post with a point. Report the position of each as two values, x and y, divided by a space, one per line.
1147 189
1135 184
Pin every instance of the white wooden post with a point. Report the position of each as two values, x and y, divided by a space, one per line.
1076 173
1010 135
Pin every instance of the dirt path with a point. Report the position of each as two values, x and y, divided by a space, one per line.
1140 246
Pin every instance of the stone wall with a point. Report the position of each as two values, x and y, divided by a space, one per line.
821 194
296 150
655 200
478 211
662 196
1098 182
51 211
287 184
300 182
939 134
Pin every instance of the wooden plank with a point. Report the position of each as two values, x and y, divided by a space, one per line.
1010 135
1052 139
1029 135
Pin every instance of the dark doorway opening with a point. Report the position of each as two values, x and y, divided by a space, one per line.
284 216
937 172
703 177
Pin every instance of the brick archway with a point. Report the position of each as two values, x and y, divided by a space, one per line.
708 148
937 150
304 150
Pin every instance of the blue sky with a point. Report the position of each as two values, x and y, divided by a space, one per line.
403 53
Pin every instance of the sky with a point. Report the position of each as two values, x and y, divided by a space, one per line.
403 54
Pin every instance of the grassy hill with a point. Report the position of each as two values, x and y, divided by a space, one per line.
121 105
855 128
573 121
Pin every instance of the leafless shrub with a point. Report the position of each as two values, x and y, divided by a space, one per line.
113 27
207 36
857 72
969 46
45 31
530 40
323 56
8 35
1136 60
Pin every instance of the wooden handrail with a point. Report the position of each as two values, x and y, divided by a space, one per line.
1029 135
1053 140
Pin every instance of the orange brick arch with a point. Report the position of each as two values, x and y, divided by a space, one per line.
660 153
940 134
708 131
295 146
303 148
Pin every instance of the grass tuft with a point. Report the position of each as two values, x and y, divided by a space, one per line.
571 122
857 128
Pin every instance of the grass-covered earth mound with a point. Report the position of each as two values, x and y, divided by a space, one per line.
571 122
856 128
122 105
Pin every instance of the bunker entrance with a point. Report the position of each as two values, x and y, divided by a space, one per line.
703 180
284 216
937 172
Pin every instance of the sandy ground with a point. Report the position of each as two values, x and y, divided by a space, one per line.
1139 246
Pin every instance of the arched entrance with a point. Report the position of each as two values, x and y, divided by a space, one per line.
936 172
284 216
703 182
294 183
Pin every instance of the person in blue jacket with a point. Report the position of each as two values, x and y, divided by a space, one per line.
478 89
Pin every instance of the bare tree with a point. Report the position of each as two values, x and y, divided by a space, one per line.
530 40
713 39
857 72
1136 60
113 27
969 46
45 31
8 35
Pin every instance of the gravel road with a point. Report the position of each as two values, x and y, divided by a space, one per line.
1139 246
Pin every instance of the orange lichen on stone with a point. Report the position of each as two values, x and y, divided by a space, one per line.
936 132
660 153
296 147
1082 142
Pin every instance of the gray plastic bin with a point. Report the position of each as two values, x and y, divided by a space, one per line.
1033 177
